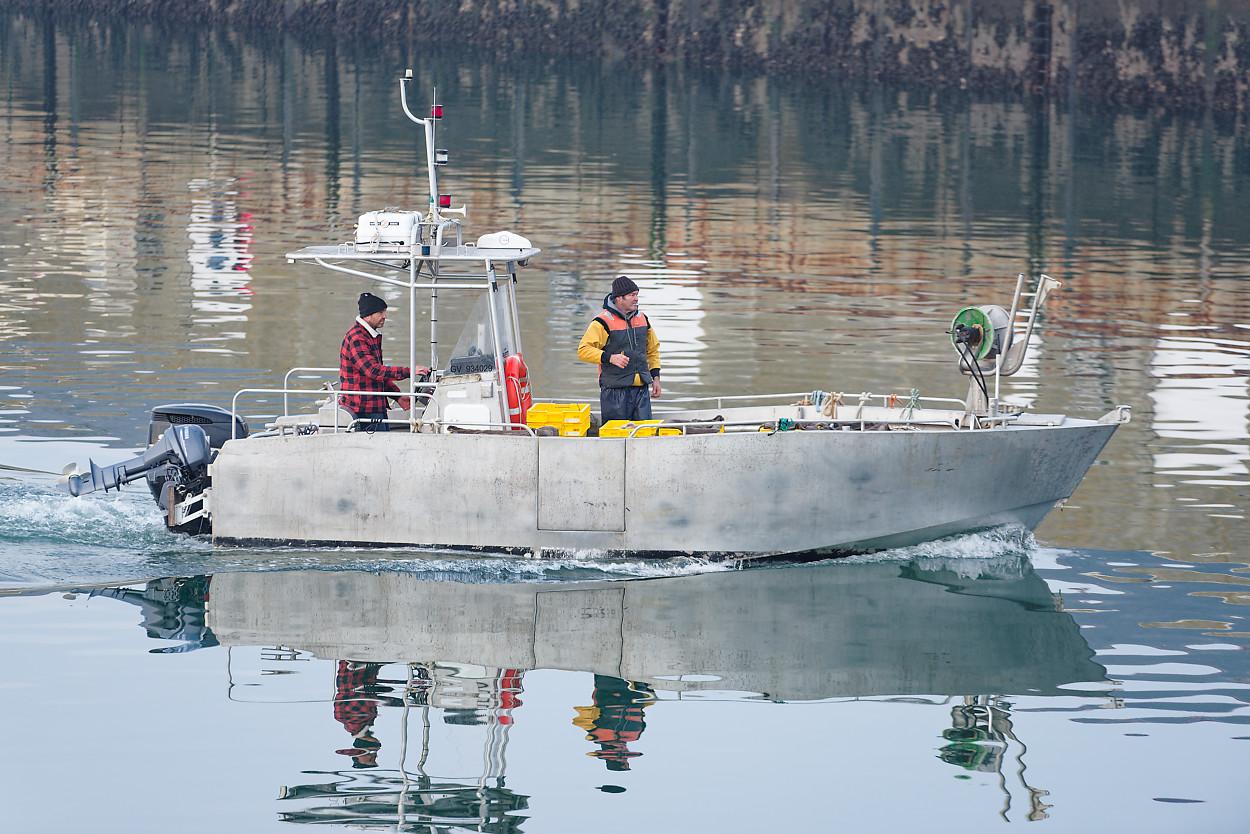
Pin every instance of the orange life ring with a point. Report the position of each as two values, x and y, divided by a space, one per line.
517 383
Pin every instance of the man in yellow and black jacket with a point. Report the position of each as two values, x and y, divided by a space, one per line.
621 341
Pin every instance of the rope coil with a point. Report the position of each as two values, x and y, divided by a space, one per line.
863 400
909 412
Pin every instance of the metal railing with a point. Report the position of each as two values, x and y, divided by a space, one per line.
470 427
234 401
888 401
286 383
760 426
718 400
721 399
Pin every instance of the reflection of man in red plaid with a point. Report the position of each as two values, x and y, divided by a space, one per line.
356 693
361 368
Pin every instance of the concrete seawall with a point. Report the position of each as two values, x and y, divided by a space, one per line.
1185 54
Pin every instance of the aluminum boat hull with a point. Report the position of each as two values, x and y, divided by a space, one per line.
743 494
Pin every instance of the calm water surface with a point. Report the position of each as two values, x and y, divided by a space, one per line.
786 237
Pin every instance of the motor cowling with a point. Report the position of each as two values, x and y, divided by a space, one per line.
218 424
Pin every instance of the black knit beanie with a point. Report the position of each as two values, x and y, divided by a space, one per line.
370 304
623 286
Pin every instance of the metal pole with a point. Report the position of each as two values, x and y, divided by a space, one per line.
403 752
425 740
429 157
412 345
503 751
433 315
493 287
428 124
516 316
429 163
349 271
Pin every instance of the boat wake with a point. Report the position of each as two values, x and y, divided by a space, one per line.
1000 551
46 538
34 512
49 540
457 566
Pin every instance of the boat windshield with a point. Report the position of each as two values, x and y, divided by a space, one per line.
474 352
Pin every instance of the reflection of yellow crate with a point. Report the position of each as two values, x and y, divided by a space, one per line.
570 419
622 428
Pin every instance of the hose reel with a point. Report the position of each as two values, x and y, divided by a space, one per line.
985 330
992 341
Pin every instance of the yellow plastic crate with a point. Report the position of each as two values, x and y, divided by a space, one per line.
570 419
622 428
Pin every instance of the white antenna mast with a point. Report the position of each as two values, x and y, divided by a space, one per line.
436 113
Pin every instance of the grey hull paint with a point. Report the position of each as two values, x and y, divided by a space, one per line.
749 493
796 633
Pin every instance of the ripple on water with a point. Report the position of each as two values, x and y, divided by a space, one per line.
1201 412
36 512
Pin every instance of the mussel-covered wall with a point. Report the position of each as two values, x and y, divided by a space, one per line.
1189 54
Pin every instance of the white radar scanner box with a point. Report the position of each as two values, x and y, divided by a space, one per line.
388 227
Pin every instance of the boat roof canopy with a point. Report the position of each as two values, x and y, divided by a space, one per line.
467 253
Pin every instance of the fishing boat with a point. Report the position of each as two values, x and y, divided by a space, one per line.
479 463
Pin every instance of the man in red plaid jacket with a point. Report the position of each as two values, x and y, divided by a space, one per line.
361 368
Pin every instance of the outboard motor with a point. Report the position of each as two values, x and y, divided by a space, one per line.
176 489
182 442
183 452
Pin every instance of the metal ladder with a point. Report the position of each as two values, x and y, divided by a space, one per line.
1023 319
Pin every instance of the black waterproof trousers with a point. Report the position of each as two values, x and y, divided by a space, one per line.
633 403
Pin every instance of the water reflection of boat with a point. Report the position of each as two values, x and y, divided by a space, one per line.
173 609
474 701
967 631
372 801
797 633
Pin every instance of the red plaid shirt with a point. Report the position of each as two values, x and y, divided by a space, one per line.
361 369
355 695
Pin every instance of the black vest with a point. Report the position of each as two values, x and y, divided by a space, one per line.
627 336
